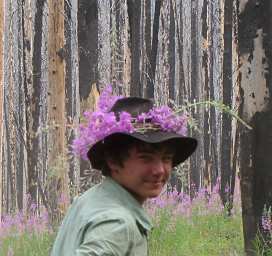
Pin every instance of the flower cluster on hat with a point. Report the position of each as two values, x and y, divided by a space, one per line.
102 123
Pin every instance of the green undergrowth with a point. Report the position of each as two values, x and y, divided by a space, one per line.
172 235
27 244
199 235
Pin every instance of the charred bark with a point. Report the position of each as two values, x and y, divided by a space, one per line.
88 45
134 17
171 54
154 48
255 53
183 92
32 83
207 118
147 43
88 55
195 175
1 100
227 173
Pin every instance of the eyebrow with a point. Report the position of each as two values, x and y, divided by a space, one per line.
151 151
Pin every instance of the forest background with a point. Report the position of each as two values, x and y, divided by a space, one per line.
56 56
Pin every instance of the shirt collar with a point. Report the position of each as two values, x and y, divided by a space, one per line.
125 198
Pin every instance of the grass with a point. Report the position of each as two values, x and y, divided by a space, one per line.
27 244
198 227
200 235
173 236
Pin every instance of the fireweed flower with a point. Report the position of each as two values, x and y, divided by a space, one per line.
267 223
102 123
266 220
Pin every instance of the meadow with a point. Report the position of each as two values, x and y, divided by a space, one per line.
182 226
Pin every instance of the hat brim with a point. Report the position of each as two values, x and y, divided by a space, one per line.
184 146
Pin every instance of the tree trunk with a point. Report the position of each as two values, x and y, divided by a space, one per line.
154 48
20 110
147 45
182 90
72 89
88 45
127 53
32 83
56 106
206 79
171 54
195 175
213 162
1 98
104 43
11 109
254 30
88 56
226 171
134 17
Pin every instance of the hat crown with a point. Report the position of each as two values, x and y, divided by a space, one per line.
133 105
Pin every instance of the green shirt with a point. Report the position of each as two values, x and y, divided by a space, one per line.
106 220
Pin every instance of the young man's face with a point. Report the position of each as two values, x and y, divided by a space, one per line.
144 172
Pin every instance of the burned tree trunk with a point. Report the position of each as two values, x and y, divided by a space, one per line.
182 90
206 84
146 56
1 98
134 17
195 160
88 46
32 83
88 56
226 168
171 54
154 48
254 30
212 164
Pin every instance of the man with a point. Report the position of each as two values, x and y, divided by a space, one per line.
135 145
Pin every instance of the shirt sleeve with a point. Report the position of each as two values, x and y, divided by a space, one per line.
106 238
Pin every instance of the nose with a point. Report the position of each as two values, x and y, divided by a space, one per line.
158 167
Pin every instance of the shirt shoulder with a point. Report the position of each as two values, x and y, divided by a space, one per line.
110 233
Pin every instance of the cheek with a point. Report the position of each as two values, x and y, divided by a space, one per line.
168 169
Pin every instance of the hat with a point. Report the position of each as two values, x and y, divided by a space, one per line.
134 117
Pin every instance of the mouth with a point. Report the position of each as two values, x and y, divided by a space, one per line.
156 183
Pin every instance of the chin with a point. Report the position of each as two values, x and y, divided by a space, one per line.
154 194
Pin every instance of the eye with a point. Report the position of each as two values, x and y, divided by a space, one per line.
145 157
167 159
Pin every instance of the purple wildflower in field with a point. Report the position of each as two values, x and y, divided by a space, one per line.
266 220
205 202
31 222
267 223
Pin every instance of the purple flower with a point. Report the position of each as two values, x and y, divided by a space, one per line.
143 117
102 123
125 122
267 223
106 99
168 120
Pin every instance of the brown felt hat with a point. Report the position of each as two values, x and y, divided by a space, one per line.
184 146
